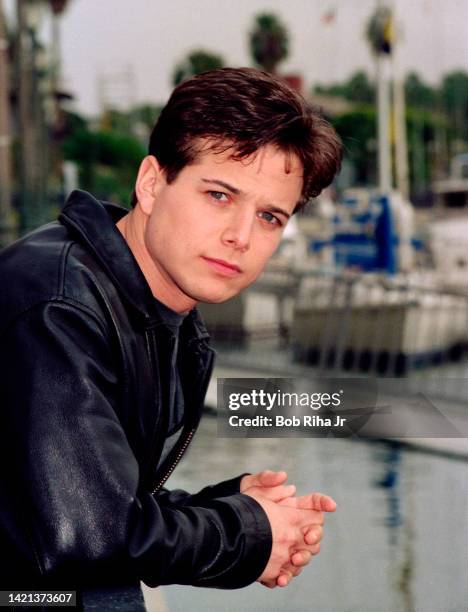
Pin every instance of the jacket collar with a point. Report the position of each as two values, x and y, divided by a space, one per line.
93 223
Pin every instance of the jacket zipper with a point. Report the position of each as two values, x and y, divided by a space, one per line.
182 450
189 436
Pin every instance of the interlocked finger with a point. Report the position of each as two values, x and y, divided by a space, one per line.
313 535
287 574
301 558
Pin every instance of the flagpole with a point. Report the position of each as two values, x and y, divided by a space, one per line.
401 142
383 124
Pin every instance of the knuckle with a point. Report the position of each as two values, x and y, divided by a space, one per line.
318 530
315 549
301 558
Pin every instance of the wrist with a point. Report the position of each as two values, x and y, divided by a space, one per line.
245 482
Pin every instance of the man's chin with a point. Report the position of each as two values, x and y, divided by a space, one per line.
215 294
217 300
213 298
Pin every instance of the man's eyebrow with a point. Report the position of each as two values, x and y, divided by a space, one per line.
227 186
236 191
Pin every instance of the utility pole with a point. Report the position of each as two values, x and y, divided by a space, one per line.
29 111
7 225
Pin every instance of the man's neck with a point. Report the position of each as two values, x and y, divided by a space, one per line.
132 227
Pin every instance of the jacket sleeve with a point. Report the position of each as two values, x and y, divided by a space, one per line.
181 497
84 516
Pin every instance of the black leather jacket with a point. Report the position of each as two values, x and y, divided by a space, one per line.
83 360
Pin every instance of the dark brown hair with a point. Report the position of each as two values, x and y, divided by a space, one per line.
244 109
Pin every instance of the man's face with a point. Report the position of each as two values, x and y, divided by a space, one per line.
210 233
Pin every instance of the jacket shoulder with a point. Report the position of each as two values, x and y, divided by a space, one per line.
45 265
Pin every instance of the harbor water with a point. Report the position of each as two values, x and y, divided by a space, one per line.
397 542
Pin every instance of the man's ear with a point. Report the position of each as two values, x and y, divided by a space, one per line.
147 183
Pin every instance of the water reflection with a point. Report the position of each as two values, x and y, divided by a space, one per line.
400 531
397 541
390 456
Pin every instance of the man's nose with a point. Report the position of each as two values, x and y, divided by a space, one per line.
238 232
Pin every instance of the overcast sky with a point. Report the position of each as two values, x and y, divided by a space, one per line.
134 44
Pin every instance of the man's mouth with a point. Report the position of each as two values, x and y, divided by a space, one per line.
223 267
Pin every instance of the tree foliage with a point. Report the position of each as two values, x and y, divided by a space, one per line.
358 133
196 62
454 101
147 114
433 113
357 130
357 88
269 42
107 161
419 94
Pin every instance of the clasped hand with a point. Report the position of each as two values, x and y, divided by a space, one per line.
296 524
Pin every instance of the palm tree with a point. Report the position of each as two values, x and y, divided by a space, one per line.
269 42
58 6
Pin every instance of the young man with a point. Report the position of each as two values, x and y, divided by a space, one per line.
105 361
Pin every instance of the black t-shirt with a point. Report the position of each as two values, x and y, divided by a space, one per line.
173 320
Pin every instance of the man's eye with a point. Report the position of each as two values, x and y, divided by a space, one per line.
219 196
270 218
